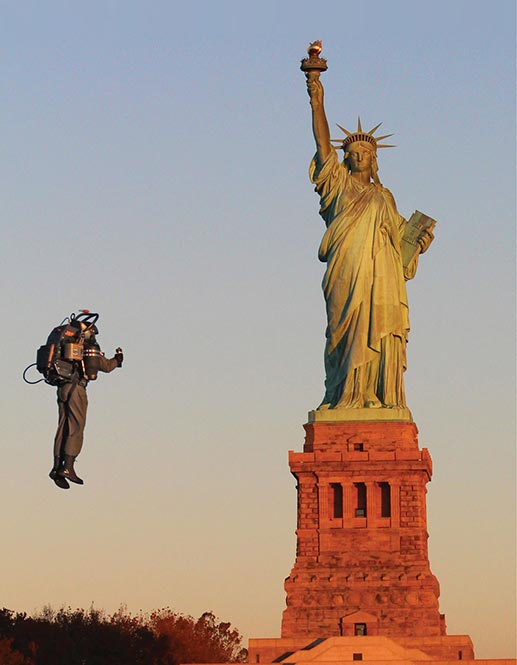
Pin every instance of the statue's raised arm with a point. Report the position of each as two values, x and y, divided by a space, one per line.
320 125
313 66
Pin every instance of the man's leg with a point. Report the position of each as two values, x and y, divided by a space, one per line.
76 407
60 438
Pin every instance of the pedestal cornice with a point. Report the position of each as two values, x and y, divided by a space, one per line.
361 415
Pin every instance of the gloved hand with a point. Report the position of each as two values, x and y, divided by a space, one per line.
119 356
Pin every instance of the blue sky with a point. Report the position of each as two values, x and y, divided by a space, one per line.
154 169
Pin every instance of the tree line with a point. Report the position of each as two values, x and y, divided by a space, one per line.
92 637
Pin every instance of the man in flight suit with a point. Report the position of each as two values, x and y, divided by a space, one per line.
72 406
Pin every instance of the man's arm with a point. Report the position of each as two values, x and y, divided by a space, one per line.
109 364
320 126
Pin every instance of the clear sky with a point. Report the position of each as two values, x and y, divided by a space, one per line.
154 169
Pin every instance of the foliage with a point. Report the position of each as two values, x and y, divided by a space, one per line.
80 637
9 655
201 641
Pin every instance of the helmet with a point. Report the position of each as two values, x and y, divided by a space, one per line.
89 332
86 321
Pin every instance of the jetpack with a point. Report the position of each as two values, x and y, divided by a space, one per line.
71 350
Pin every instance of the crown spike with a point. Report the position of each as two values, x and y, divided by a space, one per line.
386 146
359 128
380 138
372 131
344 130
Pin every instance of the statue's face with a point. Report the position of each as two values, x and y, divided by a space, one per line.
359 157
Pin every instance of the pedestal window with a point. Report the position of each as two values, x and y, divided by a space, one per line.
360 499
336 500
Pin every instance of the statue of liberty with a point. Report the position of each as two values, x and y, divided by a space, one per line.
364 283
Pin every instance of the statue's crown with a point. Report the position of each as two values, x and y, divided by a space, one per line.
361 135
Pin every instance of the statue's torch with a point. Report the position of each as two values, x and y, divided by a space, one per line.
313 65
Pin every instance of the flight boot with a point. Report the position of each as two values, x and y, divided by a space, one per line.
54 474
67 471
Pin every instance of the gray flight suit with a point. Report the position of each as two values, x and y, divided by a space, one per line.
72 403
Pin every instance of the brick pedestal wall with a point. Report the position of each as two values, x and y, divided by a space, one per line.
362 560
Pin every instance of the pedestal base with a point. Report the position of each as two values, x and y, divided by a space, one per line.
445 650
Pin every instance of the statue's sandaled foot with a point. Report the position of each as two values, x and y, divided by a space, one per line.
373 404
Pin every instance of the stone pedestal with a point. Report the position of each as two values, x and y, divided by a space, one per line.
361 587
361 565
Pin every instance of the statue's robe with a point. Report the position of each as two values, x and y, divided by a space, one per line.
364 288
